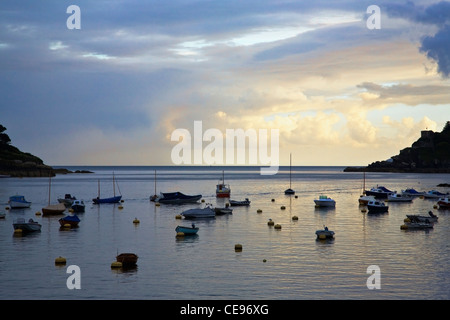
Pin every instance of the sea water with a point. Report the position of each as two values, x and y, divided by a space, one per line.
274 264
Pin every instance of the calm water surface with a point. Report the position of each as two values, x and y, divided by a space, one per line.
274 264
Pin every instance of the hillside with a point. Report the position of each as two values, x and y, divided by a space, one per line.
16 163
429 154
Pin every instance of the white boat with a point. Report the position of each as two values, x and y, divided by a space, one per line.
364 200
430 218
67 200
245 202
376 206
325 233
396 197
444 203
78 206
325 201
18 201
223 190
26 226
206 212
433 194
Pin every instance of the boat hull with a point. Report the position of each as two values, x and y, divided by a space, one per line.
30 226
127 259
199 213
235 203
73 221
187 230
220 211
444 203
178 197
17 202
325 203
115 199
325 234
289 191
53 209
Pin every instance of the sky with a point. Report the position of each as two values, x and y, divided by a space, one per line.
337 91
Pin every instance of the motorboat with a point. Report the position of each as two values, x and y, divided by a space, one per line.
223 190
71 220
187 230
221 211
415 223
325 233
378 192
434 194
364 200
444 203
235 203
430 218
412 192
26 226
177 197
206 212
67 200
397 197
376 206
78 206
18 201
325 201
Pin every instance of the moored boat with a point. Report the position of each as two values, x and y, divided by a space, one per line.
434 194
177 197
220 211
364 200
113 199
187 230
67 200
430 218
127 259
378 192
18 201
26 226
223 190
290 191
325 201
412 192
444 203
376 206
396 197
413 222
71 220
195 213
325 234
78 206
52 209
245 202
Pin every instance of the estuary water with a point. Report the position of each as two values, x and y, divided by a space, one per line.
274 264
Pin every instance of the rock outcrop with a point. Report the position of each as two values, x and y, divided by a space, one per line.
429 154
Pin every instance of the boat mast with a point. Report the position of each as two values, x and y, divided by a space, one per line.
98 188
290 164
114 185
49 188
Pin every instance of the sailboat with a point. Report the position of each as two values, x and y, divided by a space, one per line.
223 190
290 191
113 199
364 199
52 209
155 196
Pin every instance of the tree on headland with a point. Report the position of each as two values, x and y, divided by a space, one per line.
4 138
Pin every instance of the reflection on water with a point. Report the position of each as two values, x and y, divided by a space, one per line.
285 263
